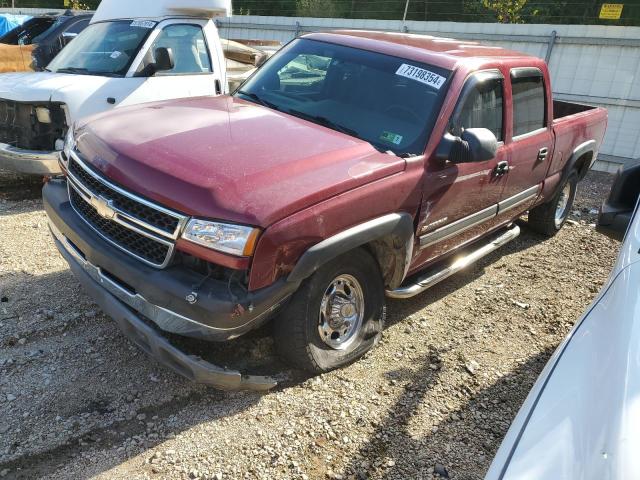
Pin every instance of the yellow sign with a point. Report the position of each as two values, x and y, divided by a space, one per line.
611 11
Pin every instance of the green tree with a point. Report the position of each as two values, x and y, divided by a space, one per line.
506 11
322 8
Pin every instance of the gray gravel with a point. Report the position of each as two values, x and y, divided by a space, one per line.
434 399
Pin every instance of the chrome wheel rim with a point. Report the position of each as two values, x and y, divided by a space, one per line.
341 312
563 204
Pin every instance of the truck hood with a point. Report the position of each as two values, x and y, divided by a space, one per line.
229 159
37 86
83 95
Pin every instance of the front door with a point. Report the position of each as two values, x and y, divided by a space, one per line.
193 74
460 200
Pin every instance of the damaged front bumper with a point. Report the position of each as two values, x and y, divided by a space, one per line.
105 293
29 162
145 301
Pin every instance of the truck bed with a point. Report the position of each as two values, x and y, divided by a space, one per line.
573 125
564 109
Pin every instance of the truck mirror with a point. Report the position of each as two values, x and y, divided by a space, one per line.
475 145
616 213
164 59
67 37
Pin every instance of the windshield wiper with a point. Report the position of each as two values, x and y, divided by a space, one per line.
325 122
72 70
84 71
257 98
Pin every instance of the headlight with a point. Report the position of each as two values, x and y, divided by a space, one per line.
233 239
43 114
69 143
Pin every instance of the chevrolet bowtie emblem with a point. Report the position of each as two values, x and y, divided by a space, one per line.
103 206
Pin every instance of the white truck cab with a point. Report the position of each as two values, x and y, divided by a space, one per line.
133 52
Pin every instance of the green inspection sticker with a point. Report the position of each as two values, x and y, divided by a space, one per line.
391 138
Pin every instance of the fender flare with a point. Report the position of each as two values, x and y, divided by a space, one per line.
578 152
582 149
395 231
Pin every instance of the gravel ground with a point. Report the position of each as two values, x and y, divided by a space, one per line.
435 398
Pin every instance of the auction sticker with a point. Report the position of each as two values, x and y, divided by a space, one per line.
143 23
421 75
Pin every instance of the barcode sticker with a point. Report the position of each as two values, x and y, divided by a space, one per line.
143 23
421 75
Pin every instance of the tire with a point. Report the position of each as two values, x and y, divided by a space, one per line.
306 338
550 217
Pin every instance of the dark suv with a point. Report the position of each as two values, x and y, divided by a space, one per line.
50 33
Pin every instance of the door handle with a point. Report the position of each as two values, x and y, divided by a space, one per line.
218 87
543 153
501 169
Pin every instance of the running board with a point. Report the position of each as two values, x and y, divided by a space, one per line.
430 279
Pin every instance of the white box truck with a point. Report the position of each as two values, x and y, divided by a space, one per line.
131 53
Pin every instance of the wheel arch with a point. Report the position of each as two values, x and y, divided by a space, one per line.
388 238
581 159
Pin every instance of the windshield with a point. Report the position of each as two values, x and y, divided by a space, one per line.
106 48
27 32
387 101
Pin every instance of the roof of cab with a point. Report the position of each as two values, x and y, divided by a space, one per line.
448 51
147 9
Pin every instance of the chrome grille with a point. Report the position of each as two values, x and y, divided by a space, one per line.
166 223
133 224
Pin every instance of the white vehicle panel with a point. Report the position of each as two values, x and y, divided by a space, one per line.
118 9
580 420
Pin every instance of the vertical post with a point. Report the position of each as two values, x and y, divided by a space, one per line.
552 42
404 18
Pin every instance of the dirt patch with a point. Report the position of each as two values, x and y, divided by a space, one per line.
77 400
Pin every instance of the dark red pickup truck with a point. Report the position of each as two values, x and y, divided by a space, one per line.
351 166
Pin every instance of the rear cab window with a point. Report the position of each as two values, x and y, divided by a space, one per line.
529 101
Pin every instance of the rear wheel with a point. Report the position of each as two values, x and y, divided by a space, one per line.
335 317
550 217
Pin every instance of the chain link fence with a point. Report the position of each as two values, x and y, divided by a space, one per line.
501 11
50 4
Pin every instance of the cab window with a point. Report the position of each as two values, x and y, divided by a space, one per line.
483 107
529 101
189 49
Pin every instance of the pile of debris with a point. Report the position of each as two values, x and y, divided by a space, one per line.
244 56
16 58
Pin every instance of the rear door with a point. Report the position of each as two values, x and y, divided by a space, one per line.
460 200
531 142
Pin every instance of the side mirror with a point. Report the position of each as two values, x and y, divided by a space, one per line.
475 145
164 59
67 37
616 213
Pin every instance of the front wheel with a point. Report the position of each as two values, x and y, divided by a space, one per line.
335 317
550 217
